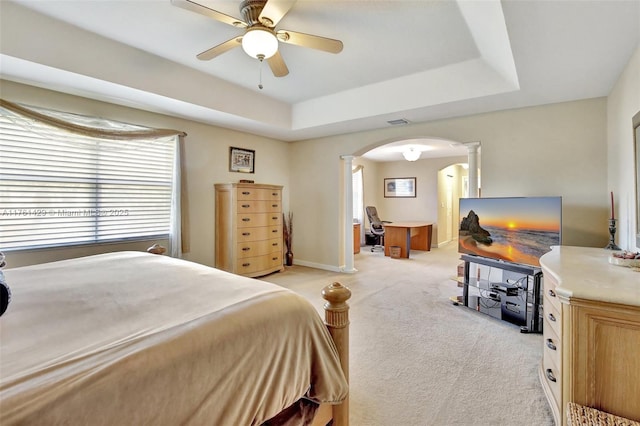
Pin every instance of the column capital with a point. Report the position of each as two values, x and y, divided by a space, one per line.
472 146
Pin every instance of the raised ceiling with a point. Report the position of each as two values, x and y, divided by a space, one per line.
419 60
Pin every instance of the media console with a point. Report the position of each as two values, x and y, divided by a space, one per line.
507 291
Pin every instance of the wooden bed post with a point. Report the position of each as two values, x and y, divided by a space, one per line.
336 312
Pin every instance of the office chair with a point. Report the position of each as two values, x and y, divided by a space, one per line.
377 226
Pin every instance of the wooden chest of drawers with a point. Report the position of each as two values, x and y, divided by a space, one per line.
248 228
591 333
552 351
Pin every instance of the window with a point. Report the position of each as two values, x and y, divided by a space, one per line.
64 188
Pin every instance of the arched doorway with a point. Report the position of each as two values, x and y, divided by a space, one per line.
429 165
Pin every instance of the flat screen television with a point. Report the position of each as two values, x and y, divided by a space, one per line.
512 229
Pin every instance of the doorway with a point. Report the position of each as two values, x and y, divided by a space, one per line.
452 185
432 203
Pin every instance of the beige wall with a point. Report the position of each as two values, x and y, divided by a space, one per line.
425 206
206 159
622 104
555 149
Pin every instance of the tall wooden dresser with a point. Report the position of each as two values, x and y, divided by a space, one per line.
248 228
591 353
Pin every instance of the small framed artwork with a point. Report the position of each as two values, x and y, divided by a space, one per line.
400 187
242 160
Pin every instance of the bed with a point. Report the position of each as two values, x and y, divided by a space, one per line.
138 338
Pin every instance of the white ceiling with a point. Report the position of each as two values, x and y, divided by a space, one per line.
415 59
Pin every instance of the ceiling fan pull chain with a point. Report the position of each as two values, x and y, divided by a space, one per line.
261 59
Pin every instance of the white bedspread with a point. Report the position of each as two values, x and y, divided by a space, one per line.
130 338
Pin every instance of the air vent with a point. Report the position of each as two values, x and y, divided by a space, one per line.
398 121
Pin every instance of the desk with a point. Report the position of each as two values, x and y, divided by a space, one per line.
407 236
356 238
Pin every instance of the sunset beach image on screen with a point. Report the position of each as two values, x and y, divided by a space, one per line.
513 229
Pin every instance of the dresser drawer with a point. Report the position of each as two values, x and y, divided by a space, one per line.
550 296
250 220
250 265
259 194
553 377
552 346
258 248
552 316
258 234
259 206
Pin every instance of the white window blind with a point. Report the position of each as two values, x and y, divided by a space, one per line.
61 188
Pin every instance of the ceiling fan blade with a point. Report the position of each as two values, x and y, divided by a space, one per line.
273 11
307 40
203 10
277 65
220 49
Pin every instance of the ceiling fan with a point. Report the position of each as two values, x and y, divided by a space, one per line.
260 39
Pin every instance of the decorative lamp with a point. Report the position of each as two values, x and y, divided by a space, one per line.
260 42
411 154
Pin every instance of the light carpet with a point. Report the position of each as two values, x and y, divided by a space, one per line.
416 359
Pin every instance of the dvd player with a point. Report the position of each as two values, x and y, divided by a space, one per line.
508 289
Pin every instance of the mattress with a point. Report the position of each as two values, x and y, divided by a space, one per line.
134 338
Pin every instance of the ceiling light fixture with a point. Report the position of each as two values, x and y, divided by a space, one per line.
411 154
260 42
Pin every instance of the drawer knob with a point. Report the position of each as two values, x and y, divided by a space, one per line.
550 375
275 218
551 345
245 193
274 205
552 317
246 248
274 244
551 293
246 234
274 258
246 219
246 206
275 194
246 264
275 231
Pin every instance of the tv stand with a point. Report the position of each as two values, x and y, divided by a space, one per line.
507 291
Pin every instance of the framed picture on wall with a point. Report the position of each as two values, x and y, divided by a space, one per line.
242 160
400 187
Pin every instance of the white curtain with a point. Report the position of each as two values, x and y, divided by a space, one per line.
358 199
175 230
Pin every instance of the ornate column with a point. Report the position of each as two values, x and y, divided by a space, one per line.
472 148
348 213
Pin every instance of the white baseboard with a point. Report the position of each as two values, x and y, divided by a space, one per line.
318 265
444 243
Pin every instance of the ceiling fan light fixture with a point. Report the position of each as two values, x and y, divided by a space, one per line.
260 42
411 154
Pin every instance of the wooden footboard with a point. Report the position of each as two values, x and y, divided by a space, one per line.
336 312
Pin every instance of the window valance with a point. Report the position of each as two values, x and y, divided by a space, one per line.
79 124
